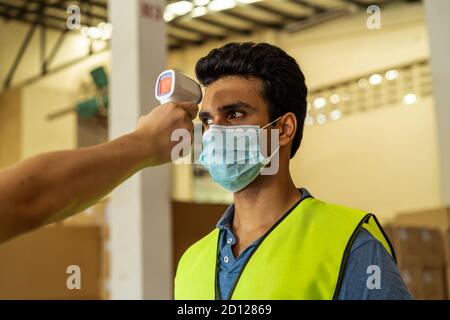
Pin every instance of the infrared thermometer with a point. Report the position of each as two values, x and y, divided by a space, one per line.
174 86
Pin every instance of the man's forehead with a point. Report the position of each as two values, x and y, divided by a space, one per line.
231 89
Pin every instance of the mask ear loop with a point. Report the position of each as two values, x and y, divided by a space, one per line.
269 158
271 122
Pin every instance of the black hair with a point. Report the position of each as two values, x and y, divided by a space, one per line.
283 81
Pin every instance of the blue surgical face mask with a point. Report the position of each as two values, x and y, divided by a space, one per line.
232 155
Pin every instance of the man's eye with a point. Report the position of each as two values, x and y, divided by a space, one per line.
235 114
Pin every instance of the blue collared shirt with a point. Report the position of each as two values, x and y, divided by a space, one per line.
365 251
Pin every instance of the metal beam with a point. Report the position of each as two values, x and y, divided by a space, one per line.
183 41
31 21
310 5
63 7
256 22
23 9
203 34
20 54
175 47
225 26
93 3
276 12
64 66
56 48
43 40
358 4
46 18
317 19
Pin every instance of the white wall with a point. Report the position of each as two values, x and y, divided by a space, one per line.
383 161
345 48
40 134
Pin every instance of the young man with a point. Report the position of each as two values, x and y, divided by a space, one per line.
277 241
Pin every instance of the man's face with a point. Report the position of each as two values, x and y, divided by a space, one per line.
234 100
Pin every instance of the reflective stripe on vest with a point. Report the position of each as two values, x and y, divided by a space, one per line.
301 257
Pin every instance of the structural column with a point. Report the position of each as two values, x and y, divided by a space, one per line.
438 20
140 214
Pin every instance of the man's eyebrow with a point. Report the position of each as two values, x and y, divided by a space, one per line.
236 105
228 107
204 115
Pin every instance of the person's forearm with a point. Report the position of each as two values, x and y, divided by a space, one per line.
53 186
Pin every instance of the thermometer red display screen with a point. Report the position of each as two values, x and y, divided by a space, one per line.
165 85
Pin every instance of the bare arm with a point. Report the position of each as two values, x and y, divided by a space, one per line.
52 186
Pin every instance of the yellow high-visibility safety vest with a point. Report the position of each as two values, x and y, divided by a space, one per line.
302 256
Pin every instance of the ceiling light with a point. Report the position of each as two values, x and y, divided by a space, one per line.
180 8
168 16
107 29
94 33
84 31
309 121
335 114
410 98
201 3
392 75
319 103
321 119
335 98
199 11
375 79
218 5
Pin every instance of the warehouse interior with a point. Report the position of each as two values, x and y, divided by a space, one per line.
376 131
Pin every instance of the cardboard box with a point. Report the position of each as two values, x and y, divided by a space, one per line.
406 243
447 248
35 265
97 215
434 284
448 282
434 218
418 246
438 218
94 215
421 258
425 283
432 248
412 276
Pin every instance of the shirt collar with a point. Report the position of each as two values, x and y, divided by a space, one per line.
227 219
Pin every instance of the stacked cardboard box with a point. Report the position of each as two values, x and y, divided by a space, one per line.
96 215
437 218
447 249
39 265
421 259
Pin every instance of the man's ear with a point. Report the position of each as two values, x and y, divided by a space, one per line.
288 127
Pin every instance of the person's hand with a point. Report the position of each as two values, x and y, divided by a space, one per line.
155 129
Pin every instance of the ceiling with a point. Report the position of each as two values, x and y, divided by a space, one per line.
242 16
200 22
